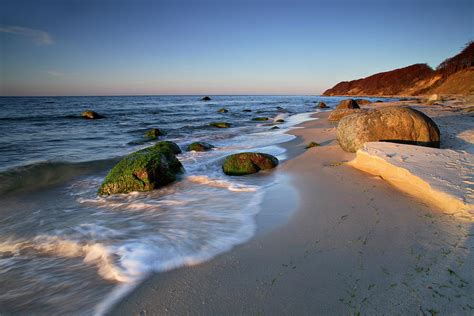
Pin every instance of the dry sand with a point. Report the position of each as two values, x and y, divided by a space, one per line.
354 245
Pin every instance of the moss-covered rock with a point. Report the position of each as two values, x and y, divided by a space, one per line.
91 115
166 144
199 146
223 110
220 124
260 119
144 170
154 133
248 163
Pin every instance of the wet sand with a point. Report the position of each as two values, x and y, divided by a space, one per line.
354 245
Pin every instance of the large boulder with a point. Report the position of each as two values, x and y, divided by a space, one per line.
91 115
247 163
392 124
199 146
338 114
322 105
362 102
348 104
144 170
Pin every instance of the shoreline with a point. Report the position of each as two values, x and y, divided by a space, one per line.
365 250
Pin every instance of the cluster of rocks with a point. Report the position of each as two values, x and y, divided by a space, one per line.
390 124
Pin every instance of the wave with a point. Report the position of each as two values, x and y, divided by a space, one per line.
222 184
92 253
43 174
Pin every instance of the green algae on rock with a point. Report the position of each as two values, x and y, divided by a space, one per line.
154 133
199 146
248 163
259 119
220 124
144 170
222 110
166 144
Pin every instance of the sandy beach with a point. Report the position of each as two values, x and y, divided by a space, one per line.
353 245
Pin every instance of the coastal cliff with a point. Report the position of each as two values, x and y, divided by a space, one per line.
454 75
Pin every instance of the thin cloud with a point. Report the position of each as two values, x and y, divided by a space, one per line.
38 36
55 73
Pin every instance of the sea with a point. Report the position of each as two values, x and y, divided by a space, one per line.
66 250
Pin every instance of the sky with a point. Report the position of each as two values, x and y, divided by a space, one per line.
136 47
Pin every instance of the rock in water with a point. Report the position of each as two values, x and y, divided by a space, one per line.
206 98
391 124
166 144
223 110
247 163
260 119
199 146
144 170
220 124
348 104
154 133
338 114
322 105
91 115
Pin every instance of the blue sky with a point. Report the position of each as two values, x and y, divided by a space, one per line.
105 47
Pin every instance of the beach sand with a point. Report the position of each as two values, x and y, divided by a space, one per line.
354 244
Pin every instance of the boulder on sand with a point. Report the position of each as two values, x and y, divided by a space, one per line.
248 163
199 146
348 104
338 114
144 170
91 115
391 124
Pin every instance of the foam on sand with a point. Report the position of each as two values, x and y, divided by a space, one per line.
440 177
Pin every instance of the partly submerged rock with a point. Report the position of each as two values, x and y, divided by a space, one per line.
220 124
246 110
275 127
348 104
280 121
322 105
223 110
338 114
166 144
260 119
144 170
91 115
247 163
154 133
199 146
206 98
390 124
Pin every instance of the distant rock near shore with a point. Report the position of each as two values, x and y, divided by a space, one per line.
144 170
206 98
391 124
348 104
248 163
322 105
338 114
220 124
199 146
91 115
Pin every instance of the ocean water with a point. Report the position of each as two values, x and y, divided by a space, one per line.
63 249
